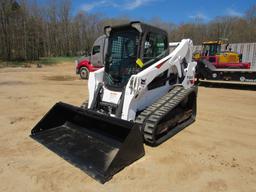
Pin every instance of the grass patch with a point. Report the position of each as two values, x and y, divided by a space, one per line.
55 60
12 63
42 61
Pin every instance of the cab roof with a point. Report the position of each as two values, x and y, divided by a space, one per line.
139 26
212 42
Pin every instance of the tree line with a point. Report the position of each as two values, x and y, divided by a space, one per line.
29 31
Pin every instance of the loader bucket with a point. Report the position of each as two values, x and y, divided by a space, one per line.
99 145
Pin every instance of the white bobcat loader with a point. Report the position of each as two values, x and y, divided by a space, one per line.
145 93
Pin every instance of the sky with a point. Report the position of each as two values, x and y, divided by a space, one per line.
168 10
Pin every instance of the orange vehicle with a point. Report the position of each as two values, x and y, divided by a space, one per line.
211 51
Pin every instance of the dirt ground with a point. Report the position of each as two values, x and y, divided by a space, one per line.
216 153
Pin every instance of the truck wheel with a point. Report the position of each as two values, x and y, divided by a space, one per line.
84 73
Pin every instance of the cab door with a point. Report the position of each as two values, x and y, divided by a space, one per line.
98 52
96 57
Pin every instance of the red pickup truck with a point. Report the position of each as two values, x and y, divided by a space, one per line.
94 61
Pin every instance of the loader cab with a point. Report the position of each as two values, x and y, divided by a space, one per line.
131 49
211 48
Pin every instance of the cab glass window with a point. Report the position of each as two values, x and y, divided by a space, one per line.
96 49
155 48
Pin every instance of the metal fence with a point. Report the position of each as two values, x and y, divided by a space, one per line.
247 49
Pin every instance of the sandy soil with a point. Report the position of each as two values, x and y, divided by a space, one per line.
217 153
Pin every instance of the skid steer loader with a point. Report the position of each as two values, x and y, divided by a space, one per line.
143 94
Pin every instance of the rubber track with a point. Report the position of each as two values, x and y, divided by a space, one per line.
151 116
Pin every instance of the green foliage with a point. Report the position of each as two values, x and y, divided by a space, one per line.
55 60
29 31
